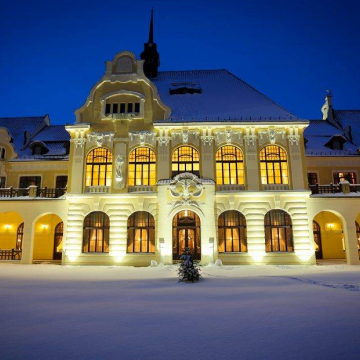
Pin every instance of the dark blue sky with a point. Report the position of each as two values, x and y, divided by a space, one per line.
53 52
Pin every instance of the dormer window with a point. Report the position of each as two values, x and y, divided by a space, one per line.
184 88
2 153
38 148
336 142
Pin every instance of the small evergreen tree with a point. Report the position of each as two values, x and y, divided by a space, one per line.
188 271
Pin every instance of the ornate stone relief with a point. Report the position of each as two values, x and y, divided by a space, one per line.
229 137
185 137
186 186
100 138
163 140
272 136
119 168
294 136
79 139
250 140
142 137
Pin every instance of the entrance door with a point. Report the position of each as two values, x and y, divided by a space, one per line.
317 240
186 233
58 241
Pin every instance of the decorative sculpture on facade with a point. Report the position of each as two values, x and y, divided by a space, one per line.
101 138
186 186
142 137
272 135
228 137
119 168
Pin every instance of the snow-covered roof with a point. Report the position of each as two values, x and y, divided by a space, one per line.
25 132
215 95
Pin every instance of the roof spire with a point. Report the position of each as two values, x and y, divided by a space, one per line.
151 30
150 55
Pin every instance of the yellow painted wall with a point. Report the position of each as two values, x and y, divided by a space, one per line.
9 223
331 235
44 237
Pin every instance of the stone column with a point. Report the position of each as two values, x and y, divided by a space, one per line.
28 241
164 158
351 250
207 156
77 169
252 160
296 160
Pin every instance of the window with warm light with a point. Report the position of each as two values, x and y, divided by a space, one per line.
58 240
142 167
99 167
273 165
141 233
278 231
20 236
96 233
229 166
342 176
232 232
185 159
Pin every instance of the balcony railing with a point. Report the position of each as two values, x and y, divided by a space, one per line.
231 187
344 187
10 254
97 189
141 188
32 191
275 187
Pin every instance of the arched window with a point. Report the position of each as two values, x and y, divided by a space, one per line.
20 236
141 233
96 232
58 240
229 166
142 167
99 167
273 165
357 234
232 232
185 159
278 231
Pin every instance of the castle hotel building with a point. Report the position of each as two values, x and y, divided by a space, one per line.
159 161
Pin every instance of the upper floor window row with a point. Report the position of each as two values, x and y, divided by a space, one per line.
2 153
229 165
122 108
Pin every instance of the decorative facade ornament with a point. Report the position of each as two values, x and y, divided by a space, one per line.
119 168
272 135
101 138
294 136
186 186
142 137
207 139
163 140
78 141
229 137
185 135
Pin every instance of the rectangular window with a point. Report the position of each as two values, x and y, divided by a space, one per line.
107 109
2 182
26 181
341 176
61 182
115 108
137 107
130 108
312 178
122 108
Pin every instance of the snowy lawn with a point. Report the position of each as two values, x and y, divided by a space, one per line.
234 313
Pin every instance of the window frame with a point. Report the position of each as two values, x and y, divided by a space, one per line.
103 228
108 173
317 177
336 175
19 234
194 153
136 167
2 153
281 161
271 225
241 228
149 229
220 162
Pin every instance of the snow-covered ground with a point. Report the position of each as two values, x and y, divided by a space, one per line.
234 313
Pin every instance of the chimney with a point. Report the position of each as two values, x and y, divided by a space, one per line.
327 109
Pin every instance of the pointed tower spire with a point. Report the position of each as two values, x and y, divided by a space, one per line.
151 30
150 55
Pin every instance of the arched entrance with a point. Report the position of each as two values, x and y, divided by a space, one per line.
186 233
11 236
328 236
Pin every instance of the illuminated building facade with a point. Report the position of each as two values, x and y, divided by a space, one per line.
159 161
